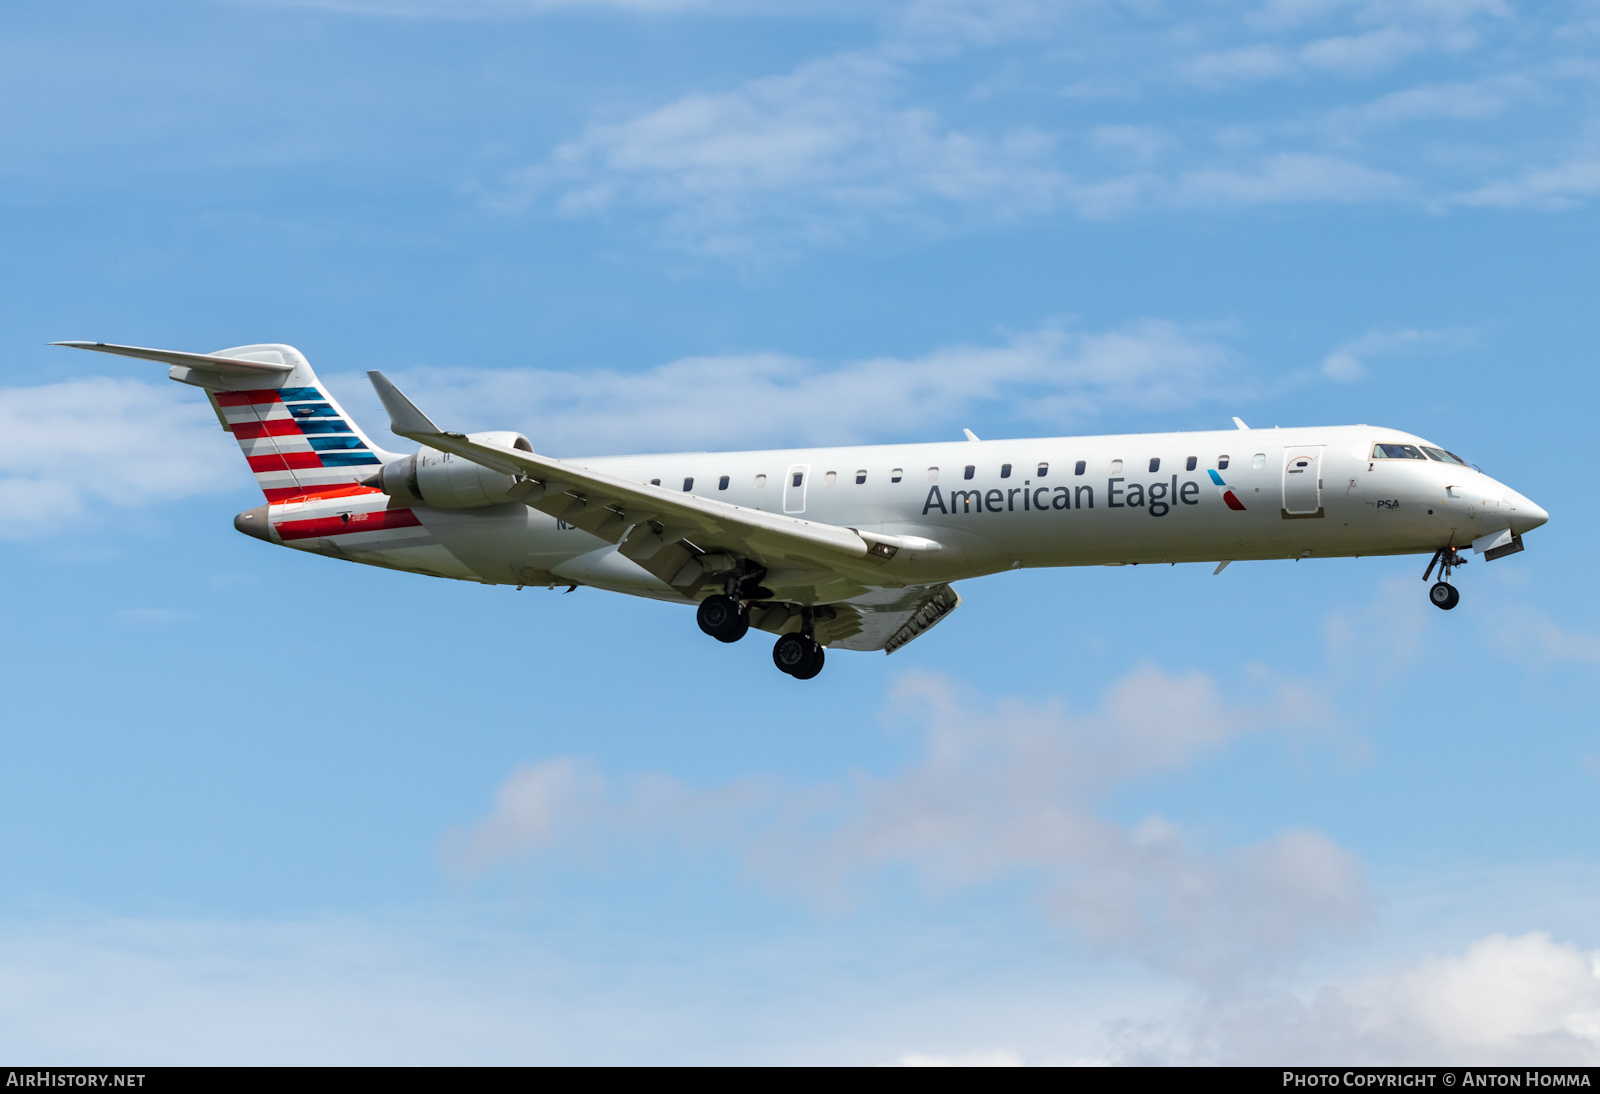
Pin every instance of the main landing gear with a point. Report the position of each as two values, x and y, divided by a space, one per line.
1443 594
798 654
723 618
727 619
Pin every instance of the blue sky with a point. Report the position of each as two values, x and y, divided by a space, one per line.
264 807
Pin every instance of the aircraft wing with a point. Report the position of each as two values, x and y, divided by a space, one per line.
683 539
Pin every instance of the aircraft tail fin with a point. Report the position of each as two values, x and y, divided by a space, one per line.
296 437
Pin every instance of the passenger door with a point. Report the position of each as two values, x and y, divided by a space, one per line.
1302 481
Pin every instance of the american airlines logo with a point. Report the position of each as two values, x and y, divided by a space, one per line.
1156 498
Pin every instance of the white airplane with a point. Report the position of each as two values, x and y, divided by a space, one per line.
828 548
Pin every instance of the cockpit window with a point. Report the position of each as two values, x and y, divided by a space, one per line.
1397 452
1442 456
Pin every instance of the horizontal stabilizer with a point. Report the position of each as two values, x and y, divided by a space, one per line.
234 365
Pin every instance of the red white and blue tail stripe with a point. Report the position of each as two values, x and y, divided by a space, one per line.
298 440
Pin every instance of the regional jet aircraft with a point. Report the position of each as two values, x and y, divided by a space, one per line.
828 548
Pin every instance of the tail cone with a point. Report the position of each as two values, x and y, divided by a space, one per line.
253 522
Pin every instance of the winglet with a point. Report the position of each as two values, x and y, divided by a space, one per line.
971 436
404 418
1240 423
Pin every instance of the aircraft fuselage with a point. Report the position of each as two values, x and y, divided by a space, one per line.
1064 501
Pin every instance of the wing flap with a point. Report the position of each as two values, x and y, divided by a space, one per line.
889 627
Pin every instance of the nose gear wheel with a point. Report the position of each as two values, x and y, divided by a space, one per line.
1443 594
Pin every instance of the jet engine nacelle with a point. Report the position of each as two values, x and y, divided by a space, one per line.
445 481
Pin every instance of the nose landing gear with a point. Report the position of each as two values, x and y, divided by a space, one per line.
1443 594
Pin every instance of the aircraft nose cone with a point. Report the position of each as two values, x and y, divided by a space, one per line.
253 522
1527 516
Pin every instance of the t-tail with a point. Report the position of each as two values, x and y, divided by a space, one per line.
296 437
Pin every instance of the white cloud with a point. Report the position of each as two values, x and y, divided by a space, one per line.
1243 64
1289 177
991 1058
1359 54
408 991
1141 143
1403 30
815 149
842 143
493 9
1499 996
1045 379
1383 637
1348 362
1564 186
1003 792
83 447
1460 101
1542 641
1503 1001
74 451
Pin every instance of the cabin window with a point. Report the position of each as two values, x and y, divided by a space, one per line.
1044 469
861 477
722 483
969 472
1079 468
933 474
1396 452
1005 471
761 481
1155 465
896 475
1116 467
1222 463
655 482
799 477
688 484
830 478
1258 461
1188 464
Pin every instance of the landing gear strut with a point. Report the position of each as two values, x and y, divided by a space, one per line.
1443 594
725 616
